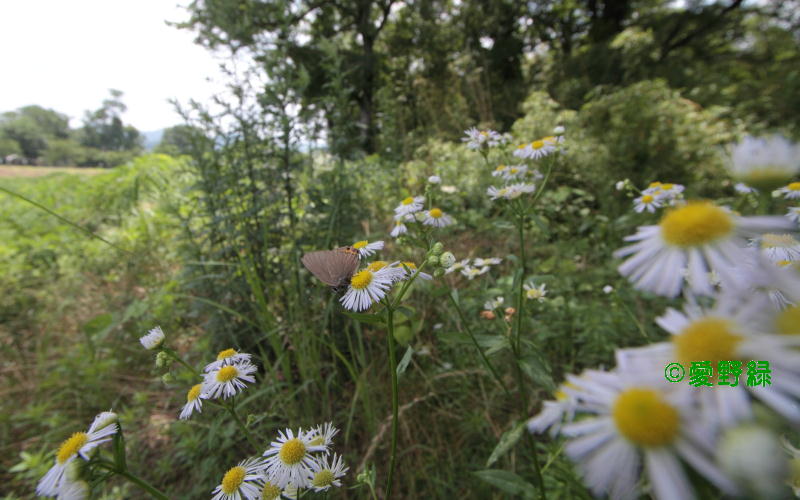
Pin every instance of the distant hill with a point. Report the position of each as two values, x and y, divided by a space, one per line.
152 138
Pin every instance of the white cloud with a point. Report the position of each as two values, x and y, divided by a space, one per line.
65 55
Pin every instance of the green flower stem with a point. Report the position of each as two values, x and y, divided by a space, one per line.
391 306
393 370
232 410
477 346
141 483
174 355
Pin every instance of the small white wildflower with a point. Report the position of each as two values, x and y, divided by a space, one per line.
366 249
436 218
153 339
435 179
194 401
608 289
493 304
228 380
410 205
743 188
794 214
791 191
533 292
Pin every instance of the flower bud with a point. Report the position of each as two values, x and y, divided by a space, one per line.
420 216
167 378
104 419
558 130
447 259
438 273
162 359
438 248
433 260
488 315
434 179
753 457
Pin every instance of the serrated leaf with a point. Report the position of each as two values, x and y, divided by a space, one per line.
507 441
507 481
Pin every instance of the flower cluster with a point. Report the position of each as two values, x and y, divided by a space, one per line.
295 461
472 268
63 479
482 139
657 195
411 210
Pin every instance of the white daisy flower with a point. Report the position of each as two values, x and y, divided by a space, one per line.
491 261
791 191
536 149
493 304
153 339
367 287
779 247
458 266
794 214
271 492
393 271
477 139
765 163
79 444
699 236
497 193
499 171
410 205
513 172
243 482
366 249
409 268
535 174
647 202
399 228
435 179
741 187
436 218
228 357
471 272
323 434
194 401
228 380
290 458
520 188
608 289
533 292
639 426
737 329
326 472
779 280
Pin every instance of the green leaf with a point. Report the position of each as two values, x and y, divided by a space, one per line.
403 364
495 344
538 370
119 449
406 311
507 441
98 324
369 319
507 481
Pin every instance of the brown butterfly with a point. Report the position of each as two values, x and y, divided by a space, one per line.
333 267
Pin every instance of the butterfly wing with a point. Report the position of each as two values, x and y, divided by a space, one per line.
332 267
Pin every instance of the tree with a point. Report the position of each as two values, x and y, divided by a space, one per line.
103 129
179 140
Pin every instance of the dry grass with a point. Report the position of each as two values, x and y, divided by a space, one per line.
28 171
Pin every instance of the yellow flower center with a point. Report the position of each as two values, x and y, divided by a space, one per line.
783 263
522 146
537 144
647 199
435 213
695 224
484 133
227 373
654 184
270 492
788 321
292 451
560 394
642 416
361 279
71 446
232 480
794 186
193 393
323 478
500 168
706 339
227 353
410 265
514 170
360 244
549 138
666 187
376 266
408 201
770 240
767 177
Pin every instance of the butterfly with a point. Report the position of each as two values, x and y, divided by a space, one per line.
333 267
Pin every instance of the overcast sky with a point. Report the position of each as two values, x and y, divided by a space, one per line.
66 54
